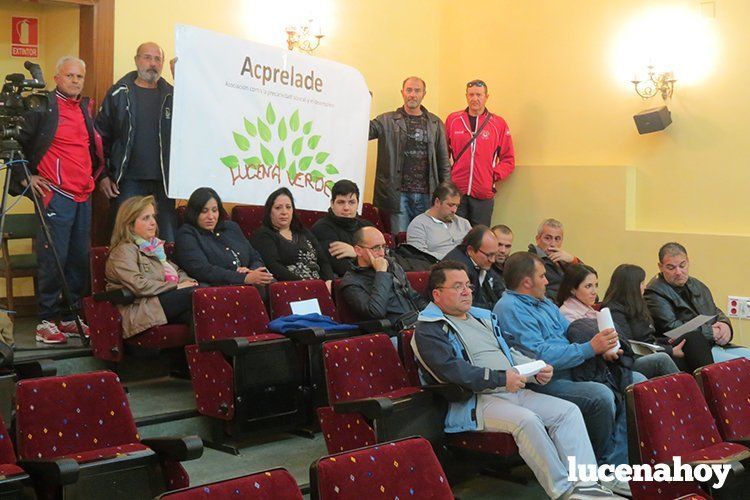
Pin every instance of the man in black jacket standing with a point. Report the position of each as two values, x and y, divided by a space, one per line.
376 287
335 231
412 156
478 252
135 121
674 297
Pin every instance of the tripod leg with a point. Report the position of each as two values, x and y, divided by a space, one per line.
61 273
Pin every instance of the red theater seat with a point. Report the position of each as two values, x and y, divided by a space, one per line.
241 372
308 218
272 484
248 217
726 387
104 320
370 397
12 477
668 417
81 427
407 468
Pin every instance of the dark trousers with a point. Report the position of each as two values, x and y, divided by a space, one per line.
166 216
177 304
69 224
476 211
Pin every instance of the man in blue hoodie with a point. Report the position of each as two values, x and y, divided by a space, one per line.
536 322
461 344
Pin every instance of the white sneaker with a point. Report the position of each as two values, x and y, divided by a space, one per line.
620 487
593 492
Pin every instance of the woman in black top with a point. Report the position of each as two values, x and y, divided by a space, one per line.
624 298
290 251
212 249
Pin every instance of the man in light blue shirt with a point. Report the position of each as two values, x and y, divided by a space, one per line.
536 322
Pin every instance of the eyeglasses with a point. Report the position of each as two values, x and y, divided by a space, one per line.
376 248
491 256
476 83
460 287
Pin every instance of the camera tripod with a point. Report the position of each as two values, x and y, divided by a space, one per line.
10 153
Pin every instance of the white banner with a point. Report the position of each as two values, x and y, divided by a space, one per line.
249 118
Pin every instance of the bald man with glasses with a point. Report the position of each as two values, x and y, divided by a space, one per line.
481 149
376 287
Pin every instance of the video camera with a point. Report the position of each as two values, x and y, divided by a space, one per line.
18 96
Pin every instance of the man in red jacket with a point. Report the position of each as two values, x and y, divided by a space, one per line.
481 147
61 146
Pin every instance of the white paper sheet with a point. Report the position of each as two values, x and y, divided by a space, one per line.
309 306
604 321
691 325
530 369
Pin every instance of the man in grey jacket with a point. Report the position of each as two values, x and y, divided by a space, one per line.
457 343
412 156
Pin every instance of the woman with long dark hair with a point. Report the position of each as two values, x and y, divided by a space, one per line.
290 251
212 249
577 294
624 298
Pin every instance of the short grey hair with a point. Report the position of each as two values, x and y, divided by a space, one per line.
548 223
65 59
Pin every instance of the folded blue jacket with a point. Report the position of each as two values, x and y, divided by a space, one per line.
301 321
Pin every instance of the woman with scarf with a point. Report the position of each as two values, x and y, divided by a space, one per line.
137 261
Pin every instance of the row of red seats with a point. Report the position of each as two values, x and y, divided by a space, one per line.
406 468
250 217
75 438
703 421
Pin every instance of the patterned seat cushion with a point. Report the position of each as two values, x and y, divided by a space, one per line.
248 217
269 485
109 452
725 386
718 453
344 431
162 337
10 470
495 443
400 469
283 293
673 418
62 416
227 312
362 367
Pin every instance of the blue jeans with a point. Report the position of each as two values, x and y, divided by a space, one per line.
69 224
726 353
607 428
411 205
166 216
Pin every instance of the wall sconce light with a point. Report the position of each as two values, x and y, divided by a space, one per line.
302 37
657 83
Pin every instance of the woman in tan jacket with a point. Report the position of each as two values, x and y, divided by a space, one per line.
137 261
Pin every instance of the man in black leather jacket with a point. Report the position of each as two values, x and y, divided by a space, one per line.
377 287
412 156
674 298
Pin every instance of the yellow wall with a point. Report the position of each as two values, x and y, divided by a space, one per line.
548 66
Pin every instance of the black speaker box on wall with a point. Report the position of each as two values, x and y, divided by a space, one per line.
653 120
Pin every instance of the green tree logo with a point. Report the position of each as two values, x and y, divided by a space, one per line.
300 157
